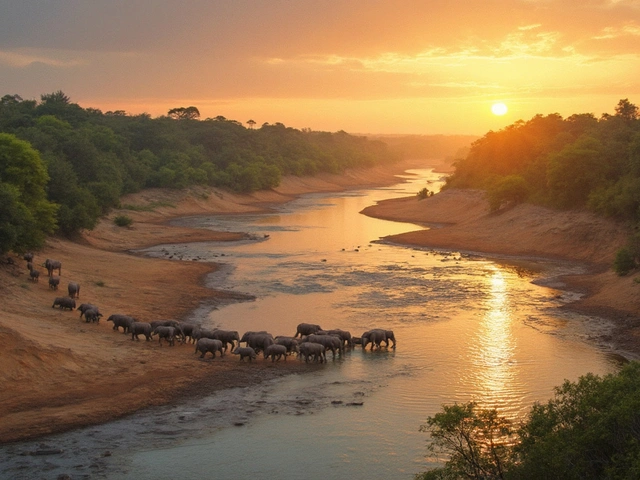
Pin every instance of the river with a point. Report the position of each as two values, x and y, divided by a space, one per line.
467 328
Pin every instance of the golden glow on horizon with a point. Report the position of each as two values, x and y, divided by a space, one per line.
499 108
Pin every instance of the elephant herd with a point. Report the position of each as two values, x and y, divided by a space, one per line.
310 342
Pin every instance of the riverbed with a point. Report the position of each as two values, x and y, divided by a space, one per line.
467 328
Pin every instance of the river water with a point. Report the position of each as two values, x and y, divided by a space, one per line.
467 328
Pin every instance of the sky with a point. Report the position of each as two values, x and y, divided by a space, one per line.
363 66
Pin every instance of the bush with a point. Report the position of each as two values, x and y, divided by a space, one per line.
425 193
123 220
624 261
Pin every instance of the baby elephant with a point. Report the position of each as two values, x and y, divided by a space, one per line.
54 281
248 352
64 303
212 345
275 351
92 315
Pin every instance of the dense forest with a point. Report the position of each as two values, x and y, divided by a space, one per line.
578 162
77 162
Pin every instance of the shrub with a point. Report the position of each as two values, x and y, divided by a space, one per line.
425 193
624 261
123 220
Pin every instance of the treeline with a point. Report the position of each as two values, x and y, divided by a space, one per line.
578 162
91 158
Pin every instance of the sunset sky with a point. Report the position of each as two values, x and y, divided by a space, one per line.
376 66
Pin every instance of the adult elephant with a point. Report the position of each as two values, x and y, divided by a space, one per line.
312 351
307 329
227 336
376 337
260 341
52 265
329 342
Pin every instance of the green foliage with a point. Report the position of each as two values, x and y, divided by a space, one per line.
94 158
26 216
624 262
123 220
511 189
477 442
589 430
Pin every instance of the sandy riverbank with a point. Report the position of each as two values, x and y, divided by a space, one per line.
460 220
61 373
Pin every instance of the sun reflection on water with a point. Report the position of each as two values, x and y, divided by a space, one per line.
495 343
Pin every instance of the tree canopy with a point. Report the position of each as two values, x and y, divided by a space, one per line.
26 216
589 430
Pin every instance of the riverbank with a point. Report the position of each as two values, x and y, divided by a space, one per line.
461 220
59 372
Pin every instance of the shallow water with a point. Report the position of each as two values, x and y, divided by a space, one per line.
468 328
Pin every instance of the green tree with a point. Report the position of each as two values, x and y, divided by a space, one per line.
589 430
26 214
477 442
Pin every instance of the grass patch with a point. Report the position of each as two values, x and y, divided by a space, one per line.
99 283
149 207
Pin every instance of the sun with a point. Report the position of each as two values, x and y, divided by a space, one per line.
499 108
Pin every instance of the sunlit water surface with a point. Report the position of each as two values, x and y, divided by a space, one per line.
468 328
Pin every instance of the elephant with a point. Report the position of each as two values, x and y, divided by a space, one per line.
92 315
260 341
188 330
28 257
376 337
54 281
245 352
169 333
275 352
312 350
227 336
140 328
306 329
212 345
74 290
34 275
343 334
88 306
246 335
170 323
64 303
119 320
289 342
330 342
52 265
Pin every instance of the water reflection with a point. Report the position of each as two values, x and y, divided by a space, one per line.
495 362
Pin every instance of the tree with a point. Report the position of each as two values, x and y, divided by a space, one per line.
589 430
626 110
476 440
26 215
251 123
182 113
